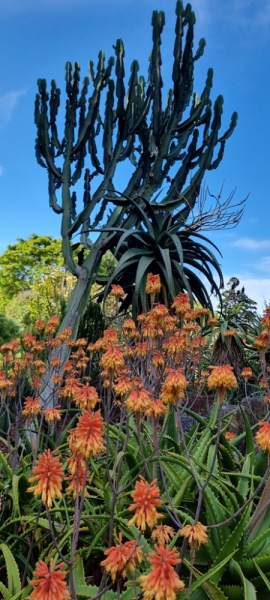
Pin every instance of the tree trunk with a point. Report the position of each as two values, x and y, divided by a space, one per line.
75 309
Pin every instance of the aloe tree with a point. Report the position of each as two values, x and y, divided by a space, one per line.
178 137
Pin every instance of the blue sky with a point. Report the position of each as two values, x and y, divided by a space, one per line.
37 37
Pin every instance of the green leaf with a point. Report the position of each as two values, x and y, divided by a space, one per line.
243 484
249 589
14 584
250 448
231 542
78 571
172 475
6 594
197 584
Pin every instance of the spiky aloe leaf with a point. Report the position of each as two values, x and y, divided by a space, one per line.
207 576
249 589
14 583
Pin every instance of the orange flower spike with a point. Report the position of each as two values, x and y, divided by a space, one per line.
89 432
76 478
55 362
71 388
229 333
65 334
174 386
153 285
50 582
156 409
146 499
138 400
29 340
247 373
195 534
162 582
122 386
163 534
222 379
39 366
113 360
39 325
158 359
117 292
118 559
263 436
202 313
52 414
86 397
48 472
141 349
265 322
57 379
261 343
110 335
229 435
213 322
31 408
5 386
181 303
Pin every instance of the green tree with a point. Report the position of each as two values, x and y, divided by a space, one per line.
8 329
237 305
164 144
25 263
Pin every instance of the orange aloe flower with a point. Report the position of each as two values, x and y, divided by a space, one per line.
65 334
117 292
29 340
57 379
202 313
55 362
173 386
247 373
146 497
195 534
39 366
263 436
138 400
181 304
162 582
86 397
158 359
222 379
229 333
122 386
153 285
213 322
49 583
163 534
48 472
71 388
89 432
52 414
261 343
31 407
5 386
265 322
128 326
113 360
142 349
76 469
121 558
229 435
39 325
156 409
110 335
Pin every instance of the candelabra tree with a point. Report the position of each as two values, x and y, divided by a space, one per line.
172 143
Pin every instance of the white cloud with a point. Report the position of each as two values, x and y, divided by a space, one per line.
8 103
1 171
251 244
